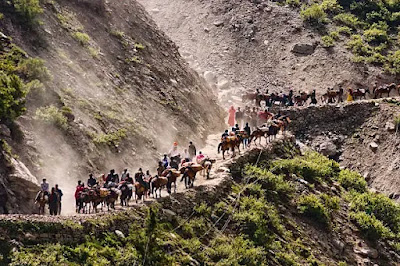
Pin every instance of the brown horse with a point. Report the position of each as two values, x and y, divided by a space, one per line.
157 184
111 198
301 99
230 142
140 191
378 92
273 130
361 93
331 95
42 198
256 134
189 172
172 175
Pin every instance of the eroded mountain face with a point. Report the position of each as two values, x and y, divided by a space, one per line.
119 93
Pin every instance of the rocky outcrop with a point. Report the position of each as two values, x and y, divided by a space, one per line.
18 186
303 49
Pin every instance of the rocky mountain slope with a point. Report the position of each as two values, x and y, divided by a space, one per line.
118 94
258 44
361 136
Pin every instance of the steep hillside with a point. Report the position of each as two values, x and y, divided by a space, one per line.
277 207
119 92
361 136
258 44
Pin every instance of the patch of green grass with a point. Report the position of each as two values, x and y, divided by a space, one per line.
370 226
327 41
34 68
28 9
94 52
314 14
380 206
81 37
139 46
312 167
52 115
119 34
293 3
112 138
351 180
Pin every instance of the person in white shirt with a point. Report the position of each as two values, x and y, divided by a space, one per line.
44 186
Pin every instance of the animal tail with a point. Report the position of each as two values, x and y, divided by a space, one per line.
219 148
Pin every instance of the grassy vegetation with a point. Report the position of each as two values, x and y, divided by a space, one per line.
28 9
81 37
249 224
112 138
18 75
371 28
52 115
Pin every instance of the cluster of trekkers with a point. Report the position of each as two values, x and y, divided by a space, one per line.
52 198
255 124
106 189
330 96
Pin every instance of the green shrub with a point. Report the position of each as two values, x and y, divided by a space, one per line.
29 9
34 87
12 97
313 167
383 208
370 226
286 259
258 220
313 207
332 203
236 251
113 138
34 68
314 14
52 115
352 180
393 64
293 3
375 35
344 30
269 182
81 37
358 47
349 20
334 35
331 6
327 41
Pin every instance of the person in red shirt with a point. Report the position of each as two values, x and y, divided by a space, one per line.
79 188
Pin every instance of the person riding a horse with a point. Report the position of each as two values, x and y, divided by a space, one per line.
91 181
139 178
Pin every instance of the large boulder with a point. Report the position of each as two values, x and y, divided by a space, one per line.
328 148
18 187
303 49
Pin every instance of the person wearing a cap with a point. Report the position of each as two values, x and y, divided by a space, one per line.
44 186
